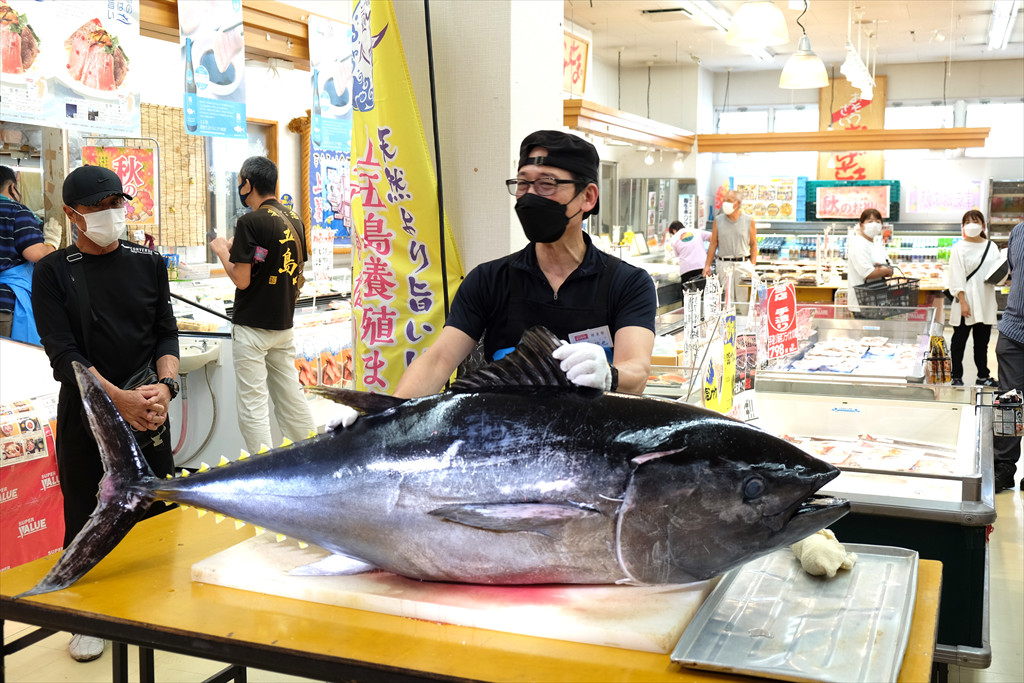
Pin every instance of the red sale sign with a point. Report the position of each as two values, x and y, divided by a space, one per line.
781 311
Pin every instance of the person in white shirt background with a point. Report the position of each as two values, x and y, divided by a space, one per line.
689 247
865 259
974 301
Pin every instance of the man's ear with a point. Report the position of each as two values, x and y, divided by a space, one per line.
590 194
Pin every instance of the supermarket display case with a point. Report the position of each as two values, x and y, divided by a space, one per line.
918 473
833 348
1005 208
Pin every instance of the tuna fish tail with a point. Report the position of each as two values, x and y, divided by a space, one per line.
124 496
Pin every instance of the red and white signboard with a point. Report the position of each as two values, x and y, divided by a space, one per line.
781 306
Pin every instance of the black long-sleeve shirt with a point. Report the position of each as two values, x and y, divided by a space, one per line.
133 321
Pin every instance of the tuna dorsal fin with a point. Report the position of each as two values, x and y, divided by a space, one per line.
363 401
542 518
531 364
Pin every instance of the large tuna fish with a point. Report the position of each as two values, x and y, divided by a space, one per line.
513 477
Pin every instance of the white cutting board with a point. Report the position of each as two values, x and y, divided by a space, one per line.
647 618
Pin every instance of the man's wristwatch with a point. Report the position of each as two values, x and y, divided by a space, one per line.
615 378
172 384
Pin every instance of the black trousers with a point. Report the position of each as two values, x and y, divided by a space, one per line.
80 468
982 333
1006 449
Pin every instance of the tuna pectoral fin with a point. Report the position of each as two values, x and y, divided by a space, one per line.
333 565
363 401
541 518
125 490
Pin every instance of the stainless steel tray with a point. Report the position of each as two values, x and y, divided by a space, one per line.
770 618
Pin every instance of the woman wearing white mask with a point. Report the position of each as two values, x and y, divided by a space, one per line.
974 302
865 260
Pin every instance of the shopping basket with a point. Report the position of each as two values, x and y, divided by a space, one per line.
875 297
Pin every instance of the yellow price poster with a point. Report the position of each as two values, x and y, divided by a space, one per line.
720 369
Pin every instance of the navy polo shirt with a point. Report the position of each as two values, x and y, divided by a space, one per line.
482 301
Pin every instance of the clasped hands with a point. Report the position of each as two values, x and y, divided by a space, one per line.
144 408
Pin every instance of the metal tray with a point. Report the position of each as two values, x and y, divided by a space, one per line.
770 618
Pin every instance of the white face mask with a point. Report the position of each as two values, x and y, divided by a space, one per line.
728 208
872 230
973 229
103 228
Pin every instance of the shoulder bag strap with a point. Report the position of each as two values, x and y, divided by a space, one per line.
982 261
77 272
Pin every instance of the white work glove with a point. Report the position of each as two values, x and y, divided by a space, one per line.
345 417
53 232
585 365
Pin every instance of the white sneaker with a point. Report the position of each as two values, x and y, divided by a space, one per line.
85 648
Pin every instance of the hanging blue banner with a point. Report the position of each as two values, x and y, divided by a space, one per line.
213 61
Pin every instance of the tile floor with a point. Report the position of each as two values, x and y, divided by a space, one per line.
48 661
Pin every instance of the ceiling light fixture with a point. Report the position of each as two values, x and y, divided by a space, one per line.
1004 15
649 159
758 22
803 69
677 165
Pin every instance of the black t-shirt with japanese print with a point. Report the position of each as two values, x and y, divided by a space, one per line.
275 247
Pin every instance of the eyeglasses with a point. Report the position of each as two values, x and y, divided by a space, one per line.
545 187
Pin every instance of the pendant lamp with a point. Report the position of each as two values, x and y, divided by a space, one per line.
758 22
803 69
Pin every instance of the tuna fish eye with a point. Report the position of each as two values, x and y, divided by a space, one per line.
753 488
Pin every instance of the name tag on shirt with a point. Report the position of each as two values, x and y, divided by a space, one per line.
602 336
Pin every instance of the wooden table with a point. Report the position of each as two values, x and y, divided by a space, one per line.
142 594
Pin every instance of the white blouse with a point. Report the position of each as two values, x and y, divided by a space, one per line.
963 259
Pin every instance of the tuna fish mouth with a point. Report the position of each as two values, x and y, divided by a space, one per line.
813 513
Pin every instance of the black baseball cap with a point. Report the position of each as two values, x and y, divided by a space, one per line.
89 185
564 150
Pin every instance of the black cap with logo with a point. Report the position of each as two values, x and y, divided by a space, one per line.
90 185
564 150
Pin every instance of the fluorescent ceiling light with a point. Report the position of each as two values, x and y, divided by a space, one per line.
708 13
758 22
1004 14
803 69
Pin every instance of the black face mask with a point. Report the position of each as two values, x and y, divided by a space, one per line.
244 195
543 219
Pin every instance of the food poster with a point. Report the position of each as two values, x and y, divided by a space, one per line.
330 194
136 167
335 361
330 58
782 320
773 199
321 254
67 64
31 505
213 66
307 360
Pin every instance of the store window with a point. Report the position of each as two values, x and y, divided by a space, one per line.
225 157
919 116
1006 119
796 120
743 121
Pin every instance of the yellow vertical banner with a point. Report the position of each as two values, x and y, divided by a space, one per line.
397 287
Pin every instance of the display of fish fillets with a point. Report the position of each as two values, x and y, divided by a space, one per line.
878 453
865 356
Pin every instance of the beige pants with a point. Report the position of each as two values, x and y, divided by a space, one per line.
264 369
740 296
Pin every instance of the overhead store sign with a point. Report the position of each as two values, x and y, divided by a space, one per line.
849 201
213 68
953 199
68 64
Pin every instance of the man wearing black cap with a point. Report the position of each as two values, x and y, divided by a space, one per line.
605 308
106 304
